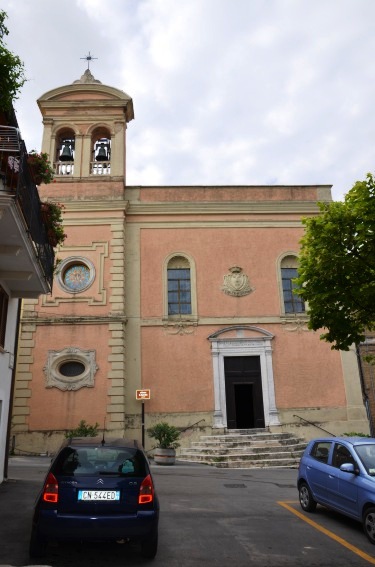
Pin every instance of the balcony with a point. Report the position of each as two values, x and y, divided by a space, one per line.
26 256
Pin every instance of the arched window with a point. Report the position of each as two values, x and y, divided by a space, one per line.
101 152
180 287
65 150
292 303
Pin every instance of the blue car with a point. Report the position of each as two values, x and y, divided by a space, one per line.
97 490
339 473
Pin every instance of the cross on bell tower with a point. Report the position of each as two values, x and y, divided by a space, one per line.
88 58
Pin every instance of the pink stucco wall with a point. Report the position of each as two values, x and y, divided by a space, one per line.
51 408
178 368
255 250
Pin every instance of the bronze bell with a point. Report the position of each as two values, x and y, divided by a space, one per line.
66 154
102 154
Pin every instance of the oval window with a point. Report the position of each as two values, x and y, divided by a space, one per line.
72 368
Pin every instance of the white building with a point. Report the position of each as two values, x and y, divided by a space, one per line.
26 259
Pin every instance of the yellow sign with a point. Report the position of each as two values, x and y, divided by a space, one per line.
143 394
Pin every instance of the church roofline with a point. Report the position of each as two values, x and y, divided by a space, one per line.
117 96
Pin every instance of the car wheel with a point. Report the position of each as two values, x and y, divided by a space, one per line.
306 500
149 547
369 524
37 547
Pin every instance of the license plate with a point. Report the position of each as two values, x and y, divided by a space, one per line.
99 495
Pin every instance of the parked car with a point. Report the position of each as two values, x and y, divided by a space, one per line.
97 490
339 473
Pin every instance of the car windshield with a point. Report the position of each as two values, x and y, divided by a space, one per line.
83 461
367 455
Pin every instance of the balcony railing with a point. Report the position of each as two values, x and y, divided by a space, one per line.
100 168
96 168
15 173
64 167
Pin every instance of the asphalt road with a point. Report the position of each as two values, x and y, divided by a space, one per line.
209 517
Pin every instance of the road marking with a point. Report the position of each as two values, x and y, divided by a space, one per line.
327 532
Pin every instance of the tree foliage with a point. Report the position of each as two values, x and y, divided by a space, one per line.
12 72
336 274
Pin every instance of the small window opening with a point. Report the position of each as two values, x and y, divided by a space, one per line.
101 164
72 368
65 155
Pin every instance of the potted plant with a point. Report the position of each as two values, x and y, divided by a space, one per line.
40 167
52 216
167 438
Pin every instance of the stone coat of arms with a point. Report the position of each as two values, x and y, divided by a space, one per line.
236 283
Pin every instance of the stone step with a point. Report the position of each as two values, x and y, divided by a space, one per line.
242 456
202 449
254 444
247 437
246 449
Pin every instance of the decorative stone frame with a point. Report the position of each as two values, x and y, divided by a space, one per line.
99 252
240 345
55 358
71 261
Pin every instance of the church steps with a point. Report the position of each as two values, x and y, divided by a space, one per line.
241 449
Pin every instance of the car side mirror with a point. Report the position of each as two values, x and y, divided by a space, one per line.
349 468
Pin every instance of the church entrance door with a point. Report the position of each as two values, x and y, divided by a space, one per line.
244 395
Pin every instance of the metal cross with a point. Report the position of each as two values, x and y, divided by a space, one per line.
88 58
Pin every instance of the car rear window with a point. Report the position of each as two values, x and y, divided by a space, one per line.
83 461
320 451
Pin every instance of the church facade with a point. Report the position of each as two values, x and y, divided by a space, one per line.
181 294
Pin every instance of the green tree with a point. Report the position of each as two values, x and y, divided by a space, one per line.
336 275
12 72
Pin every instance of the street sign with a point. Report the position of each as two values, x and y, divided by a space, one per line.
143 394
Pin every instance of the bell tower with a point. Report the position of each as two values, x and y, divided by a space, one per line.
85 131
71 365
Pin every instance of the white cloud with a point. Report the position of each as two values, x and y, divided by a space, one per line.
225 91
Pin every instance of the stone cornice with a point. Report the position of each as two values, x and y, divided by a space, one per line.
69 320
248 207
204 321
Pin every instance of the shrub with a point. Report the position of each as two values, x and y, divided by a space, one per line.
166 435
83 430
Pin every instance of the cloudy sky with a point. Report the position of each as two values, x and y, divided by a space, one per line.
225 91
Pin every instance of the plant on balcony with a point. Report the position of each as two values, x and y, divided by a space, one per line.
12 72
40 166
52 216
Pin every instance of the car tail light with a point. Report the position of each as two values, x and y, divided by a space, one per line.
146 491
51 489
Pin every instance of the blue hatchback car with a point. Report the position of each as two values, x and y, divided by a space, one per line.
97 491
339 473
